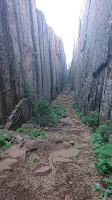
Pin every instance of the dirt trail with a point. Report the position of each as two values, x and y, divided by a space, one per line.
72 163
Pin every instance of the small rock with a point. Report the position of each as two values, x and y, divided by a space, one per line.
44 161
26 138
19 139
31 145
46 129
32 137
70 182
43 171
71 142
54 129
40 139
21 144
2 155
67 197
67 144
92 166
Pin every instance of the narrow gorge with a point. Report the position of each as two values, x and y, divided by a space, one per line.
55 122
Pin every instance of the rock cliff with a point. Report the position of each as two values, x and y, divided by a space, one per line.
29 50
91 70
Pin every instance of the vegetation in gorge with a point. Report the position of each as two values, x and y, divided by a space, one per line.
92 120
68 72
45 114
3 141
103 153
34 133
29 92
102 148
1 126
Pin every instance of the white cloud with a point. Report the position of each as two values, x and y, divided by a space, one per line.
63 16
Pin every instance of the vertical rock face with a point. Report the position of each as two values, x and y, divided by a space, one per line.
92 59
29 50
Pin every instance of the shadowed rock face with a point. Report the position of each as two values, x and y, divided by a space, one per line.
29 50
92 59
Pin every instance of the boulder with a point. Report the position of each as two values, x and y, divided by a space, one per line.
16 152
7 163
31 145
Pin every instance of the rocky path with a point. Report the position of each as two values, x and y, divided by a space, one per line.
64 167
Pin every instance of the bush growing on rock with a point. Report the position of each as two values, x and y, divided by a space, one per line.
46 114
3 141
93 119
1 126
29 92
34 133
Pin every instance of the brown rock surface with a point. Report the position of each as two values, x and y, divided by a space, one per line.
92 60
15 151
6 164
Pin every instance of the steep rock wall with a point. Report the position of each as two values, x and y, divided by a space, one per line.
29 50
91 70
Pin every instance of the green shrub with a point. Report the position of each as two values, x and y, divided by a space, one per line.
103 153
97 140
35 133
33 159
93 119
102 129
102 150
81 115
46 114
1 126
28 91
74 105
108 187
58 110
77 111
104 156
21 130
3 141
85 120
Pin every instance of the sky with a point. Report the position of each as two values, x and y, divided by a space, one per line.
63 17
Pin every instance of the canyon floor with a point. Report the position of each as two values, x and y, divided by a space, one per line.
65 164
